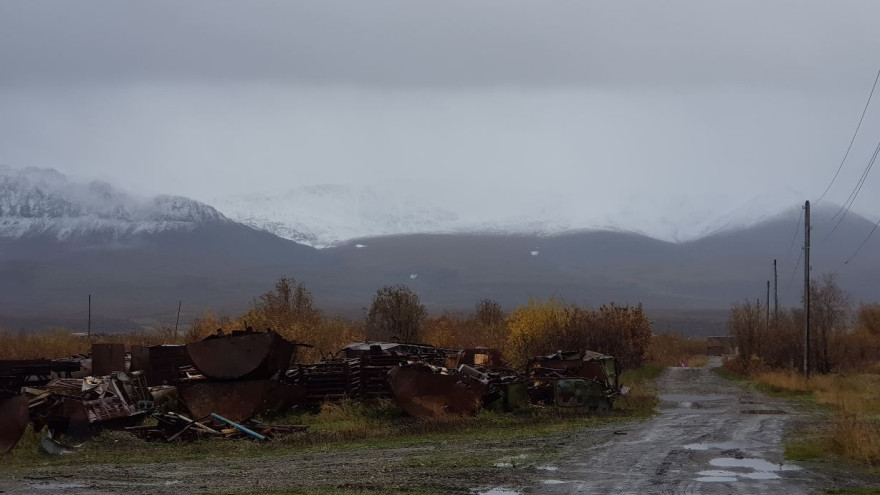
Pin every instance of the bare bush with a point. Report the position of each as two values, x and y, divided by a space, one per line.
396 314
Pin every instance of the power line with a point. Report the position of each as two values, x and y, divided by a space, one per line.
855 192
853 140
797 229
796 265
862 244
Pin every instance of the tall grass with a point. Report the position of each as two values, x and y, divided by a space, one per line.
60 343
855 400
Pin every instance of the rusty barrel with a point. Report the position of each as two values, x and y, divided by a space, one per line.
241 355
13 421
239 400
423 393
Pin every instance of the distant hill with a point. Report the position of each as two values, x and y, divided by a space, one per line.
137 257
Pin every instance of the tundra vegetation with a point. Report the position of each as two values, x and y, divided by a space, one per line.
844 360
396 314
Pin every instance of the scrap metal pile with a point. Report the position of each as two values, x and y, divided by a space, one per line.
170 427
214 388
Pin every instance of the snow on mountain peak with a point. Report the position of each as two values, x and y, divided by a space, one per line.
328 215
36 201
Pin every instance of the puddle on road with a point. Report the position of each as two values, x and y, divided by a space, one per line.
755 464
548 468
752 469
718 446
763 411
554 482
717 479
689 401
499 491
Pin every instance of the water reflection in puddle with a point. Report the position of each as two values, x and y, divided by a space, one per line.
718 446
755 464
499 491
554 482
753 469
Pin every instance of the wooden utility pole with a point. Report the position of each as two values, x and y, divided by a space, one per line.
179 303
807 289
89 328
775 293
767 323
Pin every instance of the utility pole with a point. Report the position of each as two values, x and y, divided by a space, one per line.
767 324
807 289
775 293
90 317
179 303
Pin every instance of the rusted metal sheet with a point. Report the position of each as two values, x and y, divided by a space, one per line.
107 358
245 355
239 400
74 405
160 363
13 421
427 392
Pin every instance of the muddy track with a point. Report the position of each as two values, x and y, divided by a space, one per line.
710 437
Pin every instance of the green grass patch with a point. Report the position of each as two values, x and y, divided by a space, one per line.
807 450
330 433
637 375
864 490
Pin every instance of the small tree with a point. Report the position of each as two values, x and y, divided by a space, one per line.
489 313
869 319
289 310
829 308
396 314
746 324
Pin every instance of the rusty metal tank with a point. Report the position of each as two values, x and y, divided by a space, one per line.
241 355
13 421
239 400
426 393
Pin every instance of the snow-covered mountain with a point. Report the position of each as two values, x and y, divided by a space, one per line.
328 215
45 202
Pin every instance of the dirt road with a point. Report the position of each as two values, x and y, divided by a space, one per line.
711 437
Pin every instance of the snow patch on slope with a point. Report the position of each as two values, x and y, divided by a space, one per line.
44 202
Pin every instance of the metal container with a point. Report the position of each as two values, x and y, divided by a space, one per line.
242 355
239 400
13 422
107 358
425 393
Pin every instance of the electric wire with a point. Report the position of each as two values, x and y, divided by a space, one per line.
796 265
854 194
853 140
797 229
862 244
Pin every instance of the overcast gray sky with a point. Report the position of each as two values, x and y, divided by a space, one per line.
475 104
